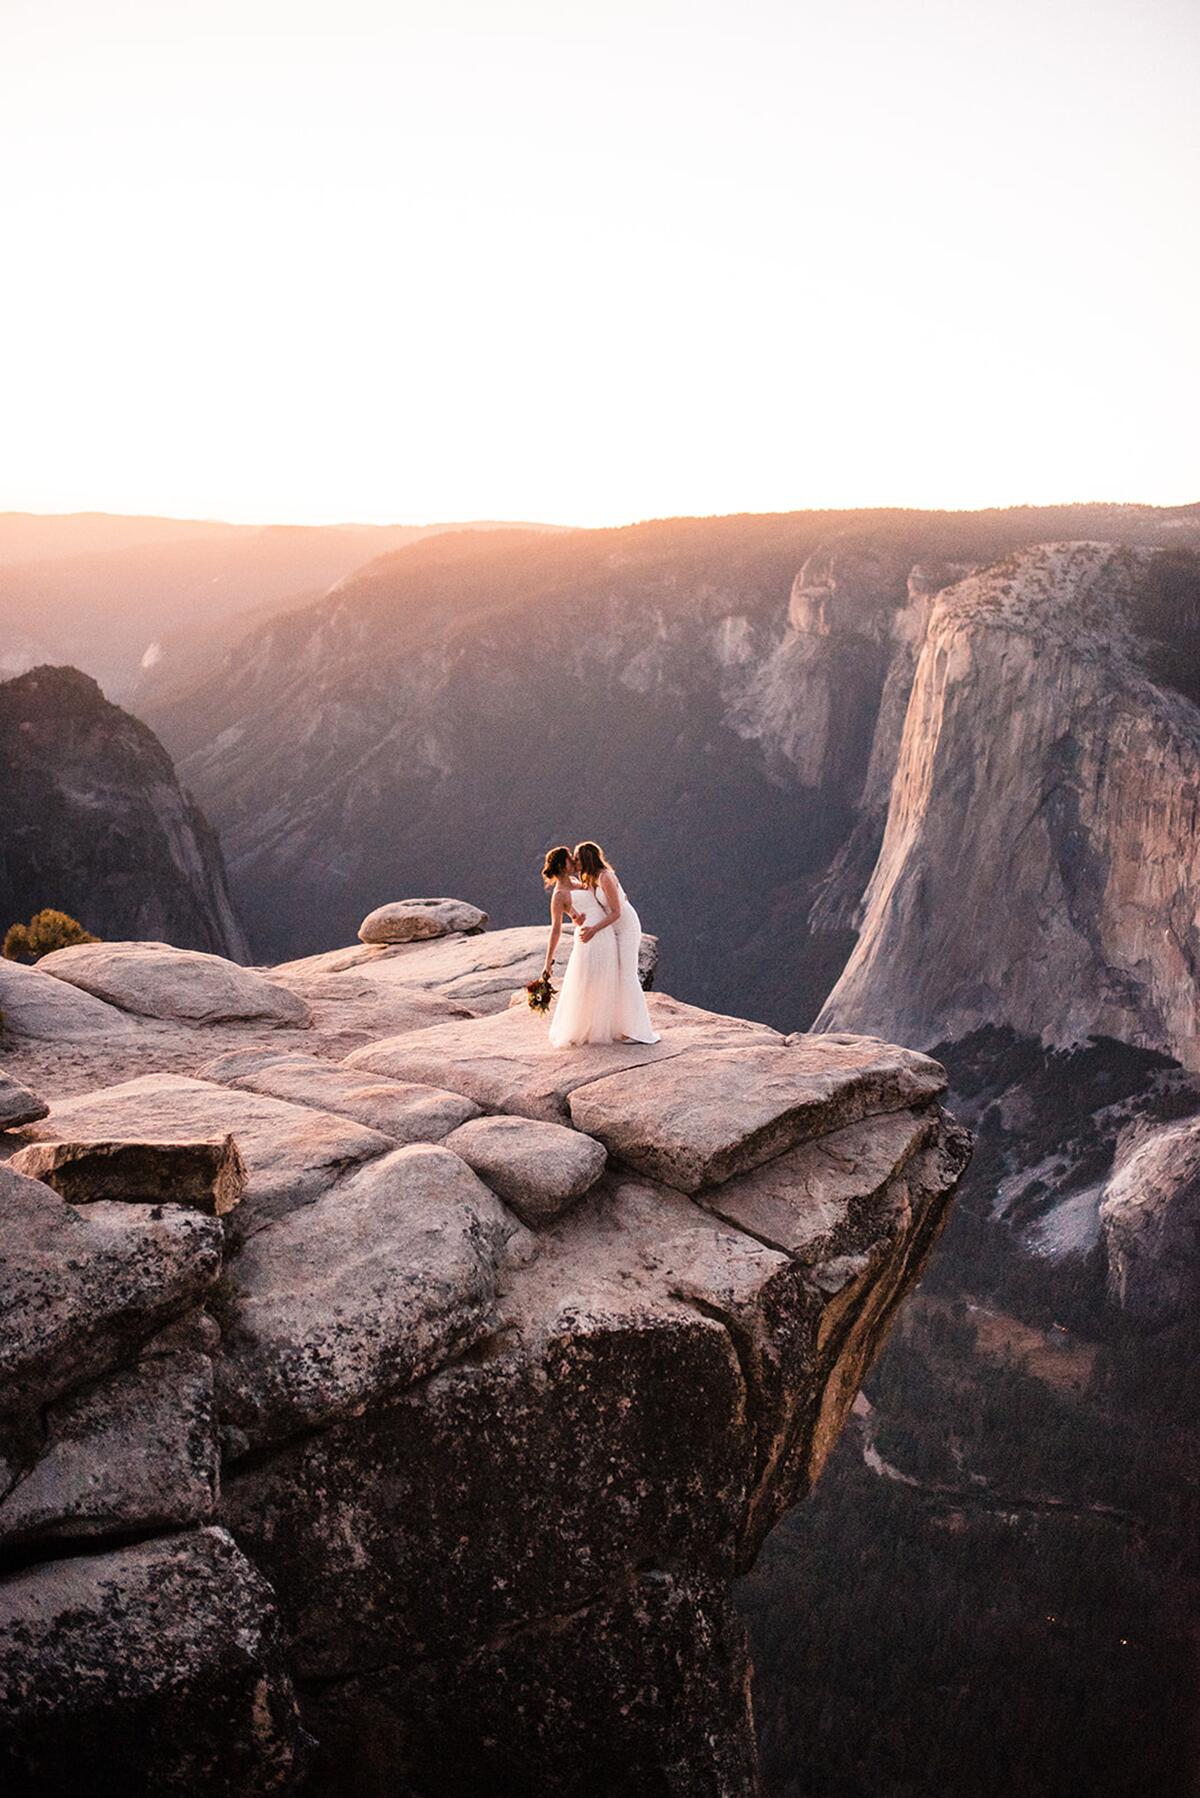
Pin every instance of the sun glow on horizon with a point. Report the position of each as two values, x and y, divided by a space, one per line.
301 263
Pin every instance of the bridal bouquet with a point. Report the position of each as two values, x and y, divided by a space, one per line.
539 993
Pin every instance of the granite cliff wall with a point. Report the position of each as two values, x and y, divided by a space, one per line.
95 822
1039 865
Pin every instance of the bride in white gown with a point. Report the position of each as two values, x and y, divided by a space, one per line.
601 999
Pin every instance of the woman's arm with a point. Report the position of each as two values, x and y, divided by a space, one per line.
556 918
611 895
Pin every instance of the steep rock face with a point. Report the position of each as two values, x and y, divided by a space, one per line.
814 702
457 1497
1039 867
96 824
1150 1219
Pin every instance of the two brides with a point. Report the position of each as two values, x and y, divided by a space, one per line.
601 999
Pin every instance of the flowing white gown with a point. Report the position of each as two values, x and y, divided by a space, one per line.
602 999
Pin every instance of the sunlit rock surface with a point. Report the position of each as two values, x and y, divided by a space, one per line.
34 1004
460 1450
155 980
1040 860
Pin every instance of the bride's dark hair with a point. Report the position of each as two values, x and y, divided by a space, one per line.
555 864
592 862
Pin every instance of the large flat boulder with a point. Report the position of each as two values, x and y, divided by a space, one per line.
205 1176
360 1293
135 1451
403 1110
83 1289
696 1119
539 1169
34 1004
467 973
17 1104
154 1669
417 920
155 980
812 1201
291 1152
505 1062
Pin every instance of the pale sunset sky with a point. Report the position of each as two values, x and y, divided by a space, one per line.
591 262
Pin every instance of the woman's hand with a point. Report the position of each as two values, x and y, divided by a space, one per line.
588 932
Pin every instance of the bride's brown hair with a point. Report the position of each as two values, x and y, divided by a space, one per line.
555 864
592 862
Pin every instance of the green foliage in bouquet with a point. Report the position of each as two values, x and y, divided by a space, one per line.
540 992
45 931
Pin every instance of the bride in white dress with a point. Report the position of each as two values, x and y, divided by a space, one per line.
601 999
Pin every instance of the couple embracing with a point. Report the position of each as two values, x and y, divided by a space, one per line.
601 999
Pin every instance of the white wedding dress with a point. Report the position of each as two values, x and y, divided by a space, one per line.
602 999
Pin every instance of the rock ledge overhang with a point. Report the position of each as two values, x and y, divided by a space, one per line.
479 1482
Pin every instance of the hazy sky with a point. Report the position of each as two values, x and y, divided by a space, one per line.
589 262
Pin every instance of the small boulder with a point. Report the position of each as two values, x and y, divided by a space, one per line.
17 1104
204 1176
416 920
155 980
538 1169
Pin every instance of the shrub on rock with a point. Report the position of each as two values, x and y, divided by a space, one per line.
46 931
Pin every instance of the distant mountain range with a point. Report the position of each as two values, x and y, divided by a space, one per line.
136 602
